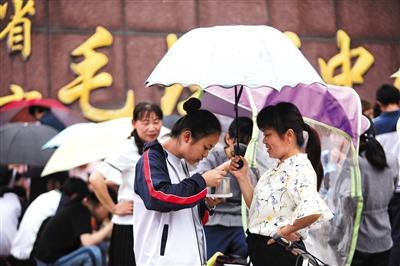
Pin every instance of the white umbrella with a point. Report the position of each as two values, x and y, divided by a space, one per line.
234 57
90 143
253 56
72 131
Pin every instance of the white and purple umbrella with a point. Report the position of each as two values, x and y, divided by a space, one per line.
264 64
234 57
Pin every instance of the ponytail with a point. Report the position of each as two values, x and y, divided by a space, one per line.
374 153
313 150
138 141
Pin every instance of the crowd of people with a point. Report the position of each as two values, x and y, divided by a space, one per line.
379 234
150 202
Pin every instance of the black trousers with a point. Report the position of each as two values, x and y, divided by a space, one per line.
370 259
394 213
262 254
121 246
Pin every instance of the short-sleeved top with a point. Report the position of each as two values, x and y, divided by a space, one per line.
61 234
43 207
120 169
284 194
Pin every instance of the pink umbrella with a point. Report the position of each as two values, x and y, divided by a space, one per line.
17 111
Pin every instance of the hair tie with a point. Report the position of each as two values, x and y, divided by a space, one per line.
306 127
368 137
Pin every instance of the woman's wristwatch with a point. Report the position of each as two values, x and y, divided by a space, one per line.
210 209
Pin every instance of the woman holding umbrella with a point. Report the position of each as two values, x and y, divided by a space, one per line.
285 200
120 169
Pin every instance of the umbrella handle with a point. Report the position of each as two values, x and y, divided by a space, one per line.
237 147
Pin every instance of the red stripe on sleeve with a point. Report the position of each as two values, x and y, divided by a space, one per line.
164 196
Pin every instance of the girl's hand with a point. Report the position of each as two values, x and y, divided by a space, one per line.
224 166
213 177
242 173
212 202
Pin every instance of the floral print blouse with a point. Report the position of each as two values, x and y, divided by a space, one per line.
286 193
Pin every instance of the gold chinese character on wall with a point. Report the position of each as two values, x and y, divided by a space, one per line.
3 10
19 94
88 80
294 38
350 73
18 30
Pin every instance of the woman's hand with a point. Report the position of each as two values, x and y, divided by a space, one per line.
286 233
124 208
213 177
241 174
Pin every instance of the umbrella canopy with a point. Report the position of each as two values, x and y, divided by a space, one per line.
21 143
71 132
18 111
254 56
258 57
89 143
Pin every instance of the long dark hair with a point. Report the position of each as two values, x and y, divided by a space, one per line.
200 122
284 116
143 110
372 149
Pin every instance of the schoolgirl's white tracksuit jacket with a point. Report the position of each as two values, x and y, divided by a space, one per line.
169 211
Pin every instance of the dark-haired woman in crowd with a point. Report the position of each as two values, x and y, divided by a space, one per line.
169 203
285 200
378 175
120 169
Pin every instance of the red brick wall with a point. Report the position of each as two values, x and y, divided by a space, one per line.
139 29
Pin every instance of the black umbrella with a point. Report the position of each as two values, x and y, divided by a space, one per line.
21 143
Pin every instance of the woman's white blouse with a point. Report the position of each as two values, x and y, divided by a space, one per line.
286 193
